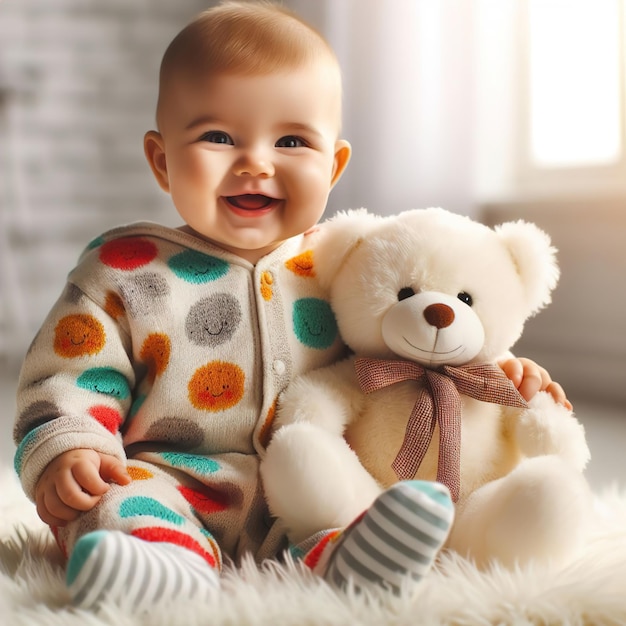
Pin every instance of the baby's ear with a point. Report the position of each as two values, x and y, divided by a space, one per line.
535 260
336 238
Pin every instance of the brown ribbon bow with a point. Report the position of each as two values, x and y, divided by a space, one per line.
438 402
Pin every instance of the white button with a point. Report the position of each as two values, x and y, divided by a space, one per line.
279 367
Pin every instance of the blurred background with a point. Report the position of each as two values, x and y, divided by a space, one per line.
499 109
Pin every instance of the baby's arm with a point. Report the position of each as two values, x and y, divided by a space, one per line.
74 482
529 378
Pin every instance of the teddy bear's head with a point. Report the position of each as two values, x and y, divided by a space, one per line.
433 286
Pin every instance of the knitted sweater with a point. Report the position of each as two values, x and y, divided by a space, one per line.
161 341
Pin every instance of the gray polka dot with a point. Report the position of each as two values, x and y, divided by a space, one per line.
185 434
141 293
72 293
35 415
213 321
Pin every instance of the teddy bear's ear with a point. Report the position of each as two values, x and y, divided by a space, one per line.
336 238
535 260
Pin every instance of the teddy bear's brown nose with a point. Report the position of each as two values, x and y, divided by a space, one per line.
439 315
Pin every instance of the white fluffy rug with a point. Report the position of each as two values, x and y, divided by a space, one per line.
591 591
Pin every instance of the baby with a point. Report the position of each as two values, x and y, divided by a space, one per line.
148 395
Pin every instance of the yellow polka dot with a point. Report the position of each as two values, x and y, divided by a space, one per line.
138 473
302 265
78 335
267 280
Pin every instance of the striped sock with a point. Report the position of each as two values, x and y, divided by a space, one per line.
397 539
133 573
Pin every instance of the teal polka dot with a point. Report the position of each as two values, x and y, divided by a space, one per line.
95 243
24 445
104 380
314 323
195 267
141 505
199 464
136 405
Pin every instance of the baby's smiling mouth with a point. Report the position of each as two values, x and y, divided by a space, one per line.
251 201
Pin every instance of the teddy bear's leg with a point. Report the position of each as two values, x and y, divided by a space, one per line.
538 512
396 541
313 481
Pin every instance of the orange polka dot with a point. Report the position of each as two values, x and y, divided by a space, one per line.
113 305
302 265
265 432
155 353
78 335
266 285
216 386
139 473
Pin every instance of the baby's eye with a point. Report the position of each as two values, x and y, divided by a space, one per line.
217 136
405 292
290 141
465 297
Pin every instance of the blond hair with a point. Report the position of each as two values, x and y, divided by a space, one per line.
246 38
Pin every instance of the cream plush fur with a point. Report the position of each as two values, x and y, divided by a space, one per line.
523 497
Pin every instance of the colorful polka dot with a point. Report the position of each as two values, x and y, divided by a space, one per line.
168 535
128 254
105 380
141 292
197 268
206 501
108 417
35 415
155 353
78 335
265 431
201 465
142 505
184 433
213 320
314 323
216 386
267 280
95 243
302 265
139 473
113 305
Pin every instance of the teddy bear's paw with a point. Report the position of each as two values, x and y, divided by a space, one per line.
313 481
550 428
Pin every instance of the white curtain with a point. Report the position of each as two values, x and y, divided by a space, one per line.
410 84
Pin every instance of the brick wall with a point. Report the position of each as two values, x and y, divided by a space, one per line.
77 93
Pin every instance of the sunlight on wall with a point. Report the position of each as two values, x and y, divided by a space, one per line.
574 82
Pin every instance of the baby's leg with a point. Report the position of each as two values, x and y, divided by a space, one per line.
396 540
141 544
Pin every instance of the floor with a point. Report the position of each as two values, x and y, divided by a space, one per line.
605 427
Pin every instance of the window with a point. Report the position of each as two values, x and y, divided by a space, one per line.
573 71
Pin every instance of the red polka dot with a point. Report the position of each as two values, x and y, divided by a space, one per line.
127 254
108 417
167 535
206 501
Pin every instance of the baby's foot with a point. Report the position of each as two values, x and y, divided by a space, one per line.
133 573
397 538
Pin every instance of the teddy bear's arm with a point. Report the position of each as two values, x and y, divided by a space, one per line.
329 398
549 428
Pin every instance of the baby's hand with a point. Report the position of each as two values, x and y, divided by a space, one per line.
74 482
529 378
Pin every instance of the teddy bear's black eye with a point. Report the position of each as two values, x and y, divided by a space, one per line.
465 297
406 292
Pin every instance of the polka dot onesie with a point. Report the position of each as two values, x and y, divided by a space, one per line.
169 353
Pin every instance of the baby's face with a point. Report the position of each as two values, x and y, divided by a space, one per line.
251 159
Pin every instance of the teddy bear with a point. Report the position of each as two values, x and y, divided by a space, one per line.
427 301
